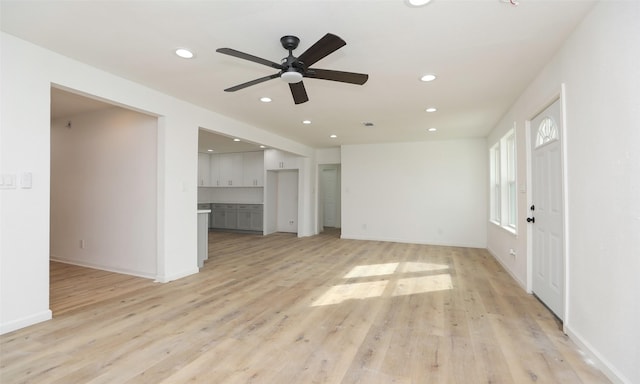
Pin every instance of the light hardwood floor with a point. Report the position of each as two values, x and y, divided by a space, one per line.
281 309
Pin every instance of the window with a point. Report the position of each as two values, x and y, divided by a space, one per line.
503 204
494 154
547 131
510 151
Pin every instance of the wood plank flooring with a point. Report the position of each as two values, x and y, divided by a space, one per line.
282 309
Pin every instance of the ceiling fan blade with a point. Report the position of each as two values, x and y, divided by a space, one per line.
246 56
329 43
343 77
298 92
252 82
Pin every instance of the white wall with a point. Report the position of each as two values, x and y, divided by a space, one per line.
600 67
103 191
428 192
26 73
287 201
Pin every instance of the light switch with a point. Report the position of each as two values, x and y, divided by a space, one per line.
25 180
7 181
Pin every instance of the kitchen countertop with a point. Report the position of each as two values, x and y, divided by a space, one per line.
204 211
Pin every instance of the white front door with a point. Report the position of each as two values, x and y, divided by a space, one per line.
546 213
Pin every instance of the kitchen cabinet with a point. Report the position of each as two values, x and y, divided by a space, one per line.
253 169
230 169
244 169
250 217
246 217
204 174
275 159
214 170
225 216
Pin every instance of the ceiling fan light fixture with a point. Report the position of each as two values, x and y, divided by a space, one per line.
291 76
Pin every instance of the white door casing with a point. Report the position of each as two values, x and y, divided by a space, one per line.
546 214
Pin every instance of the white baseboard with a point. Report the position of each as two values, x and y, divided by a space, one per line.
103 268
25 321
166 279
522 284
348 236
593 357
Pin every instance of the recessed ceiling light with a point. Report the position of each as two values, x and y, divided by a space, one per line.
262 146
184 53
432 129
431 109
418 3
306 122
428 77
209 150
368 124
236 139
333 136
265 99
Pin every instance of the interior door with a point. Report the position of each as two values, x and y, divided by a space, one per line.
546 213
329 196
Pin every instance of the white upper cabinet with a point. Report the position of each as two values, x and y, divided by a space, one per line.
253 169
204 177
230 169
275 159
214 171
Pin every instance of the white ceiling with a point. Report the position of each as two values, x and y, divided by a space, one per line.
484 52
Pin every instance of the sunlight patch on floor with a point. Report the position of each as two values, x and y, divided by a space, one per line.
372 270
411 266
402 286
339 293
424 284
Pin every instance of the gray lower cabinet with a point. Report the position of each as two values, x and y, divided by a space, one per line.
225 216
250 217
246 217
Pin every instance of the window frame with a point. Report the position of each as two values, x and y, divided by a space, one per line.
503 179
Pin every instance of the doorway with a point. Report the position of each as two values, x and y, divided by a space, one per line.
546 212
329 196
103 187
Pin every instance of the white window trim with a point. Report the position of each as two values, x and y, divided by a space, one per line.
503 176
496 190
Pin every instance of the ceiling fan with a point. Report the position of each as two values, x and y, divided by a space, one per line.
293 69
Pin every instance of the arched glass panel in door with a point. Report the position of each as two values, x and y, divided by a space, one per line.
547 131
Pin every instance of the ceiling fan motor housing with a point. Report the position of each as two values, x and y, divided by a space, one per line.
292 69
289 42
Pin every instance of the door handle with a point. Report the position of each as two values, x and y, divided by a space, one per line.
531 219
